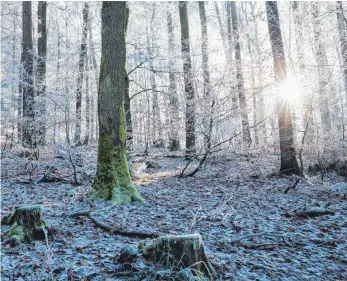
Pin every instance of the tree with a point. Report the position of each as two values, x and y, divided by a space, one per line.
322 62
174 143
289 164
28 135
239 76
188 80
82 56
343 41
41 71
156 123
112 181
127 109
205 68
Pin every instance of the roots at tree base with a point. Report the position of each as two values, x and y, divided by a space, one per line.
112 181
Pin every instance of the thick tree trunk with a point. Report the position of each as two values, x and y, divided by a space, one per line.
41 72
188 80
239 75
289 164
28 124
112 181
206 74
322 62
82 56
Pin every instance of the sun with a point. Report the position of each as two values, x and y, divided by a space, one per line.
290 90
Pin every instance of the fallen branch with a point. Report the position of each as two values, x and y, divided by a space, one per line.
311 213
111 229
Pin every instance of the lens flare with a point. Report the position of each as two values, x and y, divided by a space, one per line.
290 90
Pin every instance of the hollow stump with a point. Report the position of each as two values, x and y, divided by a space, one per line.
180 250
26 224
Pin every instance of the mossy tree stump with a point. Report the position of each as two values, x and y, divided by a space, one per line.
182 251
26 224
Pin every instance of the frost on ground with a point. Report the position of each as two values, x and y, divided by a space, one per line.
237 206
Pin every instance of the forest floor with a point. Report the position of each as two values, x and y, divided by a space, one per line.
237 204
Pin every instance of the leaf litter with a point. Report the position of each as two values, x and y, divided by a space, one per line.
238 205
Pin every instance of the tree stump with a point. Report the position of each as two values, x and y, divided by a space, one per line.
26 224
181 251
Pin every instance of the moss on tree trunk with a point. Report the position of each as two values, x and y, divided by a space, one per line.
26 224
112 181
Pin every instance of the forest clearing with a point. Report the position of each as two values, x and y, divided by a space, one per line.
177 141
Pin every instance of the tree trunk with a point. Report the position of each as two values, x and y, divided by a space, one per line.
188 80
41 72
174 143
254 96
289 164
86 138
206 73
93 120
221 30
239 75
28 124
82 56
229 56
127 108
343 41
157 126
112 181
260 91
322 62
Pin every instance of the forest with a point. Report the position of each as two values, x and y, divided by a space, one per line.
173 140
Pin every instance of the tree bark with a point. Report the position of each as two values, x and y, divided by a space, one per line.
289 164
112 181
188 80
174 143
82 56
127 108
230 50
322 62
206 73
28 124
221 30
261 105
239 75
342 25
86 137
41 71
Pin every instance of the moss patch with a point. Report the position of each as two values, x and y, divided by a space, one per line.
112 181
26 224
